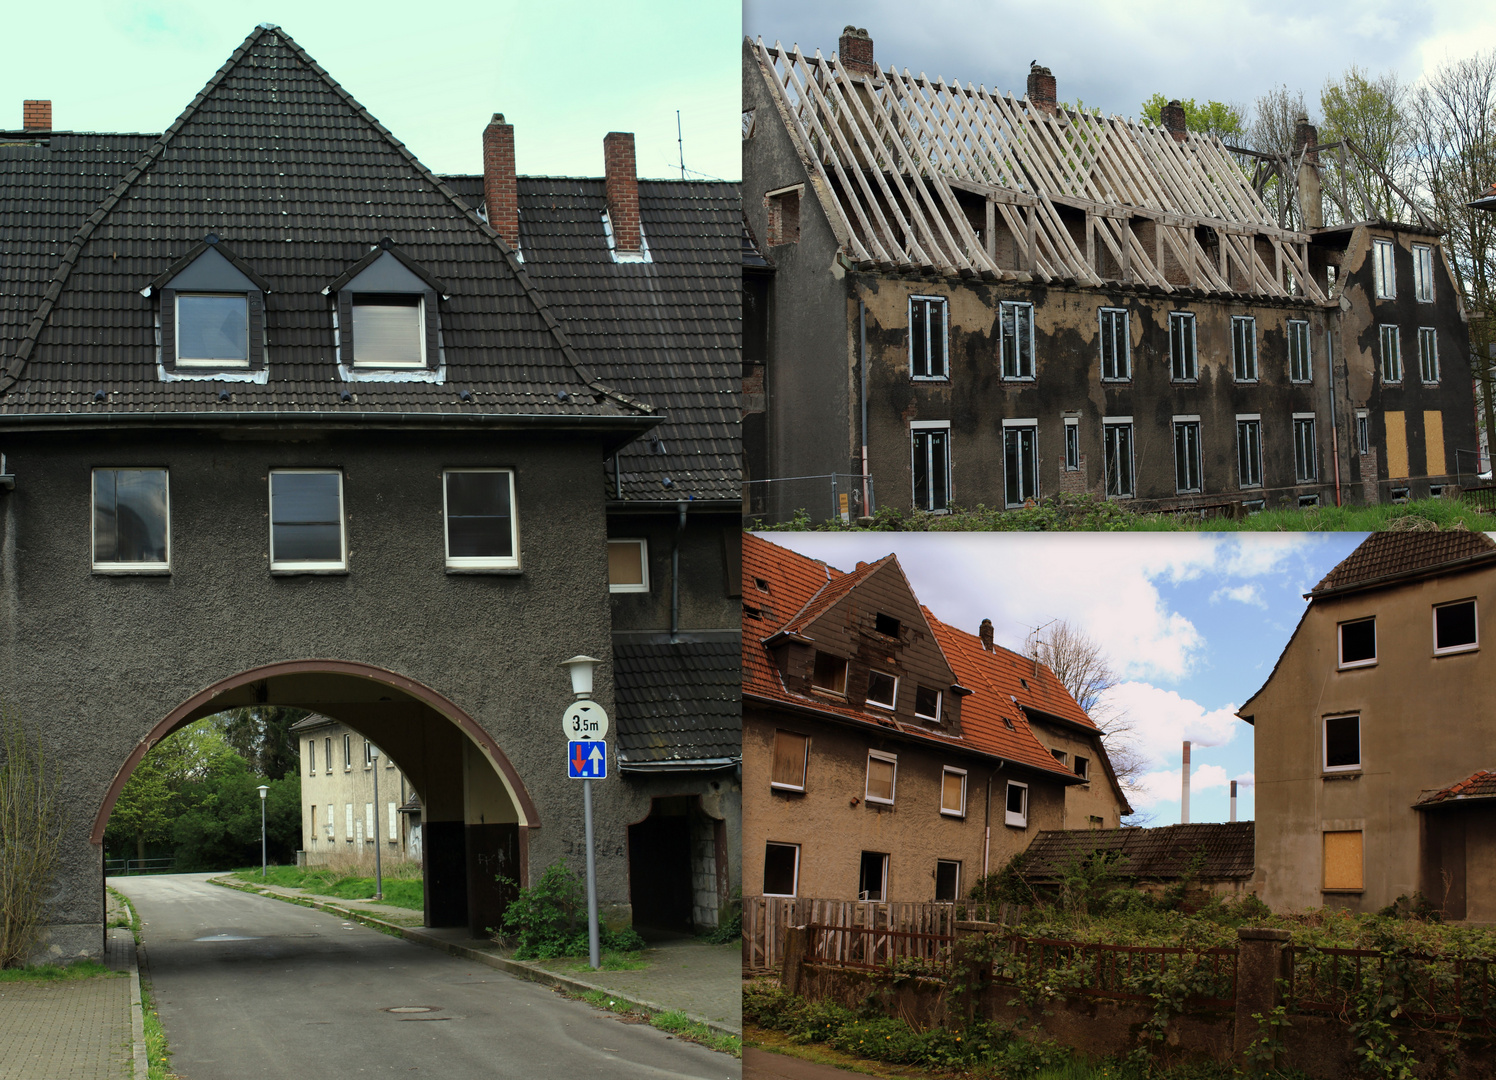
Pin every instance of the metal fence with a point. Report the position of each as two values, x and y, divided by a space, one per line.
126 867
1429 988
830 497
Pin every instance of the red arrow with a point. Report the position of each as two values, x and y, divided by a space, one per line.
579 763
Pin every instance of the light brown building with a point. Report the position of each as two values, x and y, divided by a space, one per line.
341 819
1370 727
887 755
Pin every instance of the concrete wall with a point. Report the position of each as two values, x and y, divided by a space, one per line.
708 543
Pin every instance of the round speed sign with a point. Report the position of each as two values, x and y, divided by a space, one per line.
584 720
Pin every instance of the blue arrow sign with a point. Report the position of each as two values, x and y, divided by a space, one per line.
587 760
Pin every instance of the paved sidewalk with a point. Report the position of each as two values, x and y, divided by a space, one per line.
686 975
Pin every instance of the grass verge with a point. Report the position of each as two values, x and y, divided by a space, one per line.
157 1052
670 1021
82 969
402 892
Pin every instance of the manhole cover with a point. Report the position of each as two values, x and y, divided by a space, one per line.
409 1009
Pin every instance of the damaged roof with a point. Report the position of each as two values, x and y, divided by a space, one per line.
300 182
1478 786
1226 850
677 704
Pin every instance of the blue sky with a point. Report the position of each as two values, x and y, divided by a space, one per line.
564 72
1192 622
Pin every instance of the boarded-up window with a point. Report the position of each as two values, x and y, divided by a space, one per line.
790 752
1343 861
953 792
1433 441
781 869
880 776
830 673
369 832
394 823
947 880
348 833
1397 445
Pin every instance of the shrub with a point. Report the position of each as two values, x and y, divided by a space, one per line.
31 823
549 919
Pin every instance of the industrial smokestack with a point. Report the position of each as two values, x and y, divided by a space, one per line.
1233 800
1184 788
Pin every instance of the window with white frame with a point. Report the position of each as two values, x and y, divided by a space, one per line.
953 791
1184 365
781 869
482 531
1428 354
1342 743
131 520
1358 643
628 565
947 881
1244 348
1249 450
1116 345
1384 269
311 757
348 822
1423 273
1060 756
927 337
1020 461
1017 805
927 703
1186 454
882 689
1300 364
327 760
881 774
306 520
872 876
368 754
389 330
1391 343
829 673
347 752
1305 451
791 760
1017 339
1117 442
1072 443
930 444
1454 628
1363 431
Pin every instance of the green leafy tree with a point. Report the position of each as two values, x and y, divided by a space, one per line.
262 736
154 796
1372 112
1223 120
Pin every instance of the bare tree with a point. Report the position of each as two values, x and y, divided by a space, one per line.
1084 670
31 822
1272 130
1372 112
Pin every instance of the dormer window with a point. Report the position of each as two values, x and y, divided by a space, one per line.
927 704
388 316
211 318
830 673
212 330
389 330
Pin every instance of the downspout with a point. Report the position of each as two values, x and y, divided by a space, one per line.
862 359
680 529
1334 423
987 824
617 479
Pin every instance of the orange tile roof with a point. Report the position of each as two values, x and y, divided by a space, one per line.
1481 785
801 588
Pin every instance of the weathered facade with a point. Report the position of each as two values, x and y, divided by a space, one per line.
889 756
343 817
975 299
1368 728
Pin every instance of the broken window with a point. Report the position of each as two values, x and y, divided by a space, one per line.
1428 354
927 338
1454 627
1343 861
947 881
131 522
1072 443
886 625
781 869
1183 361
1342 743
872 876
1385 270
1017 339
882 689
1244 348
1020 461
748 124
927 703
1082 767
784 216
1300 366
1186 454
931 448
830 673
1017 812
1423 273
791 753
1391 354
1116 359
953 792
1358 643
1249 450
1363 431
1305 455
1117 436
1059 755
881 770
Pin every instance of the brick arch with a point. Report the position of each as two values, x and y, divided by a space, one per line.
179 717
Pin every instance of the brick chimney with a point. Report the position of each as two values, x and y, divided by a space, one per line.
622 184
1172 115
36 115
1311 193
1042 94
500 189
855 50
985 633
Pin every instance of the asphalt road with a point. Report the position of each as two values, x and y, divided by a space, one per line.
251 987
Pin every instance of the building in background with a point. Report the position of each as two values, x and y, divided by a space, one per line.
341 817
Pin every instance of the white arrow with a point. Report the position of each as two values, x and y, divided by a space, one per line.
595 756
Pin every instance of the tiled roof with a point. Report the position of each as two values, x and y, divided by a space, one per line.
678 702
1228 849
1481 785
1385 554
801 588
300 182
666 332
752 256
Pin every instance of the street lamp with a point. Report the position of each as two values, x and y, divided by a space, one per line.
378 874
580 668
264 789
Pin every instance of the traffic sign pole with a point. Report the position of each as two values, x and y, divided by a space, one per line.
594 955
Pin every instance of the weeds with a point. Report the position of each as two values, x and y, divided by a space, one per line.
549 919
402 888
81 969
157 1052
671 1021
31 826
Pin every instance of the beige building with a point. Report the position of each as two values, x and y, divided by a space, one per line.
341 816
1373 731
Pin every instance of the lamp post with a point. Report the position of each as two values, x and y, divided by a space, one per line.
378 874
264 790
580 669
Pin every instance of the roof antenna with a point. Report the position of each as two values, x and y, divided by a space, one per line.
680 145
1031 643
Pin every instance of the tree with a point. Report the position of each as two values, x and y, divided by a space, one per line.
1372 113
1083 669
154 797
31 823
1224 120
262 736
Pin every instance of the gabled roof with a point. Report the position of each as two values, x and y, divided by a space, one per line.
678 704
301 181
1478 786
800 589
1384 557
1227 849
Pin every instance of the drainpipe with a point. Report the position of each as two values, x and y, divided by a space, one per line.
617 479
862 356
987 822
680 529
1334 424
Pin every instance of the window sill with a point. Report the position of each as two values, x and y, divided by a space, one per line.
786 789
952 814
1343 892
1357 666
1016 824
870 801
1116 379
1349 774
930 378
340 571
1018 378
123 571
505 571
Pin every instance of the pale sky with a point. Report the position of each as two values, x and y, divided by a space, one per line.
1117 55
563 72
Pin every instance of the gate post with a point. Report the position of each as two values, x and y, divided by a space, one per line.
796 945
1261 960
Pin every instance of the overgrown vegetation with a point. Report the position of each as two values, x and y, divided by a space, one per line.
31 825
729 929
81 969
549 918
403 886
157 1052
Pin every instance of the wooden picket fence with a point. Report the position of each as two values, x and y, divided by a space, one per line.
765 919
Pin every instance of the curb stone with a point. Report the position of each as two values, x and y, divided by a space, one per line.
517 968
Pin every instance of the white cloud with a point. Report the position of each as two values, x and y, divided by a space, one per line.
1162 720
1162 786
1242 594
1245 780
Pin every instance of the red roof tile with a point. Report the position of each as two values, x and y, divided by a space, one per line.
1481 785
